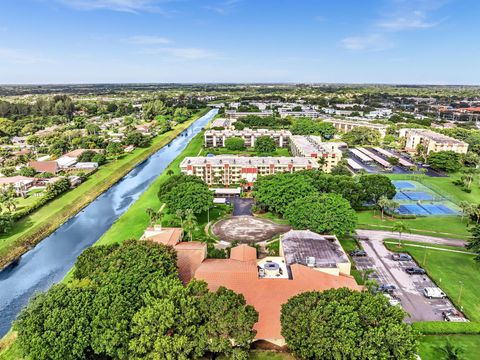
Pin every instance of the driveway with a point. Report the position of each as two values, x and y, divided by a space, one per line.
380 235
242 206
409 288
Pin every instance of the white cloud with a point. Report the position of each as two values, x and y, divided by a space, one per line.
223 7
182 53
371 42
18 56
148 40
132 6
415 20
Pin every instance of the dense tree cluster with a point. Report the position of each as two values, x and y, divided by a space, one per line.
346 324
361 136
127 302
57 105
306 126
235 143
448 161
275 192
324 214
186 192
254 121
265 145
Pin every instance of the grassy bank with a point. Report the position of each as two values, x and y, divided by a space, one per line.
134 221
41 223
429 348
440 226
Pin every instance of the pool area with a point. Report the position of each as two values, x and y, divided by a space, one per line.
417 199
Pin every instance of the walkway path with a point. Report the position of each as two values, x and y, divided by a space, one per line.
381 235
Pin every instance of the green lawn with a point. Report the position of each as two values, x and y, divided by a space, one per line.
269 355
429 346
440 226
457 274
33 228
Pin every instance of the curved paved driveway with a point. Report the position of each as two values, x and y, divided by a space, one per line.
381 235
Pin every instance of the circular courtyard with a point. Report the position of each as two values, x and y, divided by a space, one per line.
247 229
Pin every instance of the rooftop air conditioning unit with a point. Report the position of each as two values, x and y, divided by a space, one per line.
311 261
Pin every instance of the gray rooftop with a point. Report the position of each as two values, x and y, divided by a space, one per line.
299 245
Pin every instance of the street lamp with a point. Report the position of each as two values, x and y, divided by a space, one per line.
460 294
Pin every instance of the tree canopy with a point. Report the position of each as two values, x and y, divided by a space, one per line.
265 144
127 302
324 214
306 126
235 143
448 161
189 196
362 135
346 324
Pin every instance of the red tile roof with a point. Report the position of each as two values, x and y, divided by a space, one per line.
267 295
44 166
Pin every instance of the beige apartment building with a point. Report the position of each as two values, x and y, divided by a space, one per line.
216 138
233 114
432 141
228 169
312 146
348 125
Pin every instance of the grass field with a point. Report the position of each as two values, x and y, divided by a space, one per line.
269 355
441 226
457 274
429 346
33 228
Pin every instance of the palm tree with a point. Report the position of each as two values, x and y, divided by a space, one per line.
179 215
392 206
243 183
401 228
10 204
466 208
383 203
190 222
450 351
170 172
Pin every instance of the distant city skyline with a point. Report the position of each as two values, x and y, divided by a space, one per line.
228 41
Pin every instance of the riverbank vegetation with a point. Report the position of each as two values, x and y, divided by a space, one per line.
33 228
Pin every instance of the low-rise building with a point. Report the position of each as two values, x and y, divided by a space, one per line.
432 141
216 138
227 169
307 262
304 113
222 123
233 114
346 125
21 184
312 146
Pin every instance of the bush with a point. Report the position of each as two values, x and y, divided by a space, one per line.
235 143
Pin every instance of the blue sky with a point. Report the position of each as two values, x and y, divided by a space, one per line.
355 41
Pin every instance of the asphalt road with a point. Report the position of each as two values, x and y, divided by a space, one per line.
381 235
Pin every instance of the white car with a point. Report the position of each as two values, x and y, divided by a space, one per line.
391 300
434 293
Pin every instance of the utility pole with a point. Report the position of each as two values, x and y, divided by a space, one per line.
460 294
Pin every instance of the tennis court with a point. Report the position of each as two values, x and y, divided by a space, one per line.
417 199
402 184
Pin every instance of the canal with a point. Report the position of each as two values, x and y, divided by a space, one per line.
48 262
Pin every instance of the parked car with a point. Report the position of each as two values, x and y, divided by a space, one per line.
387 288
401 257
358 252
434 293
392 300
415 271
453 315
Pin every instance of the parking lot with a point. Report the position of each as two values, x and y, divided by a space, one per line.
409 288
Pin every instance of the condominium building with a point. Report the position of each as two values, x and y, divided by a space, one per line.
304 113
233 114
222 123
312 146
216 138
432 141
227 169
346 125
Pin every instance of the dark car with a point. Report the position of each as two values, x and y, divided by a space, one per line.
387 288
415 271
358 252
401 257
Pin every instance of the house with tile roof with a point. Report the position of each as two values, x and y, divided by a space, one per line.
307 262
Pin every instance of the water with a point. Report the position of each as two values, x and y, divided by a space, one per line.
51 259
